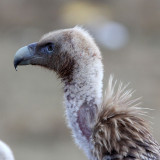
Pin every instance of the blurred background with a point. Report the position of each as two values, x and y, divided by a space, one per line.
32 117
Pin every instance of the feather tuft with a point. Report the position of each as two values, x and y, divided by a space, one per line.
120 131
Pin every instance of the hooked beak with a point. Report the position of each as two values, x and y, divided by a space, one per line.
24 55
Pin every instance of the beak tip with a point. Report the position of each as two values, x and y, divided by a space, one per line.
21 56
15 68
24 55
15 64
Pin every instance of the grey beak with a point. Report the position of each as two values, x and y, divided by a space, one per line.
24 55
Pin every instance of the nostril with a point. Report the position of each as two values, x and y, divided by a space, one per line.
32 46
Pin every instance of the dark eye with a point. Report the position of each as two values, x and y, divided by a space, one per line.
50 48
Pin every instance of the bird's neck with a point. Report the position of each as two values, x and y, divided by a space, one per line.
83 96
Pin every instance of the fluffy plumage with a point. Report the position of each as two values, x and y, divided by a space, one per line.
109 130
120 131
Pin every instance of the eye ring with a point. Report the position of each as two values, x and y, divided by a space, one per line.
50 48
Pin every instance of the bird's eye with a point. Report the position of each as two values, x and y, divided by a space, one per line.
50 48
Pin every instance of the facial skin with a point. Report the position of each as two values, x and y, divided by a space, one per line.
61 51
35 54
49 52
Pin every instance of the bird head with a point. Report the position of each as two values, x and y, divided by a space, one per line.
61 51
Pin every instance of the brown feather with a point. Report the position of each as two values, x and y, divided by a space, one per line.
120 132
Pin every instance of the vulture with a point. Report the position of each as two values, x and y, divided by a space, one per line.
109 127
5 152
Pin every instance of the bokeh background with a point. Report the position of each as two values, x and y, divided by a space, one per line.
32 117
